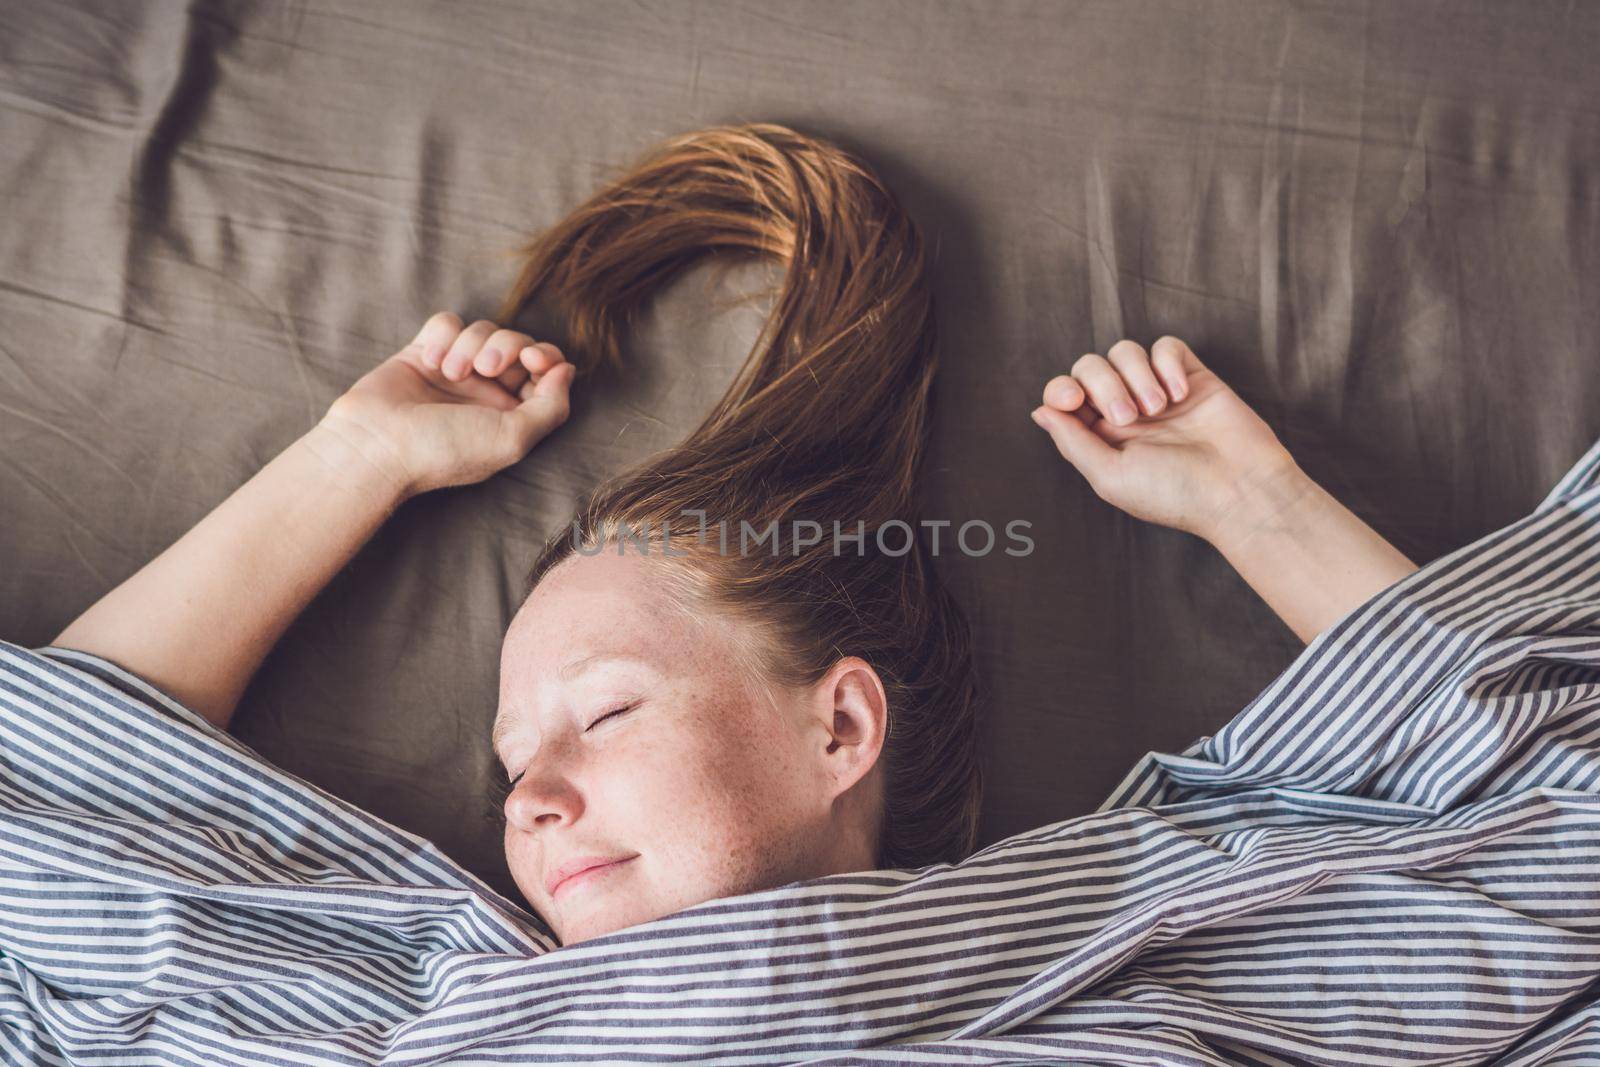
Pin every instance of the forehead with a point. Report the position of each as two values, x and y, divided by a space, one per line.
602 605
591 603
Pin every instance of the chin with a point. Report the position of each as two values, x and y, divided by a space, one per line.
588 929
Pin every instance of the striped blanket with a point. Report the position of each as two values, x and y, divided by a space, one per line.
1390 856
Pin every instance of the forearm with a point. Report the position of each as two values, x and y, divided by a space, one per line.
197 621
1307 555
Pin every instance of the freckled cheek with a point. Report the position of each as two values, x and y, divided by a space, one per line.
739 771
679 774
521 861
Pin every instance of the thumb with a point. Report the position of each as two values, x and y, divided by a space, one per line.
1080 446
546 402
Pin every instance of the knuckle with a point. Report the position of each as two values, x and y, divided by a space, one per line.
1087 362
1131 369
1170 349
1126 350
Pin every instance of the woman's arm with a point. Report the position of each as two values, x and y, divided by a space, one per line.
451 408
196 621
1159 435
1307 555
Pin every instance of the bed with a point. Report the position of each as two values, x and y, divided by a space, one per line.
1390 855
1377 223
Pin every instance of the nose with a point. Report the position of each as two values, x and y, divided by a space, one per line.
543 797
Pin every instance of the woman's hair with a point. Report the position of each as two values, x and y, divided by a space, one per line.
826 422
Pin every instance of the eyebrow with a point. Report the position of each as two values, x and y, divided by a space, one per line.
578 666
505 724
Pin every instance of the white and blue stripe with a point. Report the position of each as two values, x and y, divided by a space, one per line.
1390 856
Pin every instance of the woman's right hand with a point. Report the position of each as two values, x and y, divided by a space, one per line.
455 405
1163 438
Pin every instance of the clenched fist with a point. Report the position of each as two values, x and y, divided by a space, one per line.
455 405
1162 437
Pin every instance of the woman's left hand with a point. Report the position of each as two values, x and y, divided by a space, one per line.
1190 454
455 405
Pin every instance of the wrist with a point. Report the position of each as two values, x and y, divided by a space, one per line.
1267 497
358 461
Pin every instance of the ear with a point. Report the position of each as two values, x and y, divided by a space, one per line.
853 709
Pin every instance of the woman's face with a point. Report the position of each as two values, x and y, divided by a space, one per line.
705 786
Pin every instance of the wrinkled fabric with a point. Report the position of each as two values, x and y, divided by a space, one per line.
1379 222
1390 856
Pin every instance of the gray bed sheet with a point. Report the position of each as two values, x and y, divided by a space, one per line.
1379 223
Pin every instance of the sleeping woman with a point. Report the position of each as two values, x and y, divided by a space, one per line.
743 780
687 720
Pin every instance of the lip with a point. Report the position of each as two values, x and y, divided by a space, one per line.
581 868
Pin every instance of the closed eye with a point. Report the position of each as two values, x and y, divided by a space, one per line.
611 714
608 715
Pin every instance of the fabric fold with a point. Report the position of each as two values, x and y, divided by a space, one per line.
1390 855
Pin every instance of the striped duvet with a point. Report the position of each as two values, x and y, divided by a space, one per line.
1390 856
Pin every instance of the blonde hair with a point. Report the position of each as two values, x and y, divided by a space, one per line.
827 420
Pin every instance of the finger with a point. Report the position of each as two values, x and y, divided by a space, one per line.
1064 392
561 372
1133 363
513 378
533 360
1105 388
540 357
485 391
499 352
436 337
546 403
458 361
1095 458
1174 361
